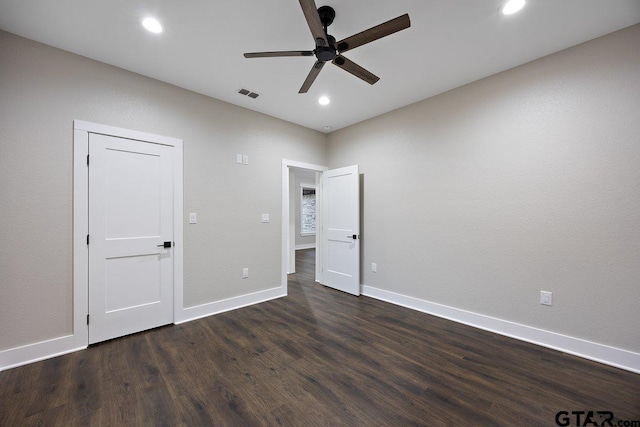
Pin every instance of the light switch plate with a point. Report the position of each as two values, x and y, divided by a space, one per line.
239 159
546 298
245 273
245 159
193 218
265 217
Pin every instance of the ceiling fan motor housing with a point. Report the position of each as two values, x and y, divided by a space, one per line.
327 53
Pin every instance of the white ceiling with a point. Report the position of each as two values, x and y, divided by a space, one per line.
450 43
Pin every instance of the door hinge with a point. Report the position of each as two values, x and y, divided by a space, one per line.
87 319
87 239
87 160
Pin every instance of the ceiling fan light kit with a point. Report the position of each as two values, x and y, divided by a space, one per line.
328 50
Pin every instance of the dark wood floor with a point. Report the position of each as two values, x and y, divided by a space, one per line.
317 357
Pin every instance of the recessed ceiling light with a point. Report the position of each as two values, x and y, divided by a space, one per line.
512 6
152 24
324 100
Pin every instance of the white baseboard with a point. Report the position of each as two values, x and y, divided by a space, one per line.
612 356
18 356
305 246
204 310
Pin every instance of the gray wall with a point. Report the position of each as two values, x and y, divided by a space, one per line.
525 181
477 198
42 90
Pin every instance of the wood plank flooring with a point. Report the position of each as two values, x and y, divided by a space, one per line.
318 357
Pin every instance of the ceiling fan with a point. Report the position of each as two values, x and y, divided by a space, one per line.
327 49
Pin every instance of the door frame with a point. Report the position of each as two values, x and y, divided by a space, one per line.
286 239
81 131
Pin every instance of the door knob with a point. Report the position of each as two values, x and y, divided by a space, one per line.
165 245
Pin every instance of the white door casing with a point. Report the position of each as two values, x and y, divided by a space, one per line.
288 248
81 133
341 229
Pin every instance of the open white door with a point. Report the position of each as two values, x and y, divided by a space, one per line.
130 236
341 229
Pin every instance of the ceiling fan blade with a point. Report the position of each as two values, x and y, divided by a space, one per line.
313 20
375 33
355 69
278 54
315 70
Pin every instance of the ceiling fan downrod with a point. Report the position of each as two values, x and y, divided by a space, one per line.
326 53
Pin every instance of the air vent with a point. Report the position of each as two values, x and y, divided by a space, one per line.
248 93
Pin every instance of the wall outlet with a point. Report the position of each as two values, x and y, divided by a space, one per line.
265 217
546 298
374 267
245 273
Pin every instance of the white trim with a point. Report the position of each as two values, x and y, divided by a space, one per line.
303 165
217 307
81 133
305 246
319 220
78 339
19 356
612 356
286 249
291 255
125 133
80 230
24 355
178 230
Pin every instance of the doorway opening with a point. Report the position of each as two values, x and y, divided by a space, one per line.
303 224
303 212
300 230
337 248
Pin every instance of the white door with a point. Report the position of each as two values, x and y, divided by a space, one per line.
130 218
341 229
